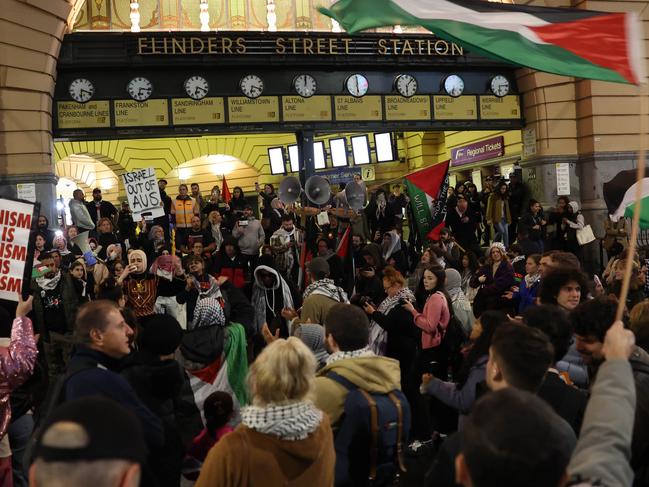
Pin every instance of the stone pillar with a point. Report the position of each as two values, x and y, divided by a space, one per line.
30 40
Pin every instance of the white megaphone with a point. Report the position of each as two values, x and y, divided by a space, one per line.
317 190
289 190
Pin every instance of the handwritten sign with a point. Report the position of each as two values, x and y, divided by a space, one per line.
367 108
257 110
15 223
143 193
129 113
413 108
299 109
460 108
495 108
73 115
185 111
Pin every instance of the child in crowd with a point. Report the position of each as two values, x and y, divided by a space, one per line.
218 410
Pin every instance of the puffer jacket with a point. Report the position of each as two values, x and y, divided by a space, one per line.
16 365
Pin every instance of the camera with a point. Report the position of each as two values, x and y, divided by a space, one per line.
403 301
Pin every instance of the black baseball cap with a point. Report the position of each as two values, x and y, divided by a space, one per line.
88 429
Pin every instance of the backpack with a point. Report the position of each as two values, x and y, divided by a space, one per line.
370 441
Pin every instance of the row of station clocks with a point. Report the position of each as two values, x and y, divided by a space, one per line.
305 85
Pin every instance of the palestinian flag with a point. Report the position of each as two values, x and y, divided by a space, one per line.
619 195
581 43
227 374
427 190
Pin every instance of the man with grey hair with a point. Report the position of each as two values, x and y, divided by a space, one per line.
90 441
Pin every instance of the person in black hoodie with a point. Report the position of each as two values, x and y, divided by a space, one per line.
157 380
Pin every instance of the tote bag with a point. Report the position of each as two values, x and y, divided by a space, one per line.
585 235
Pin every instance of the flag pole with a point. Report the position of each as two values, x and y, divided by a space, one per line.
640 173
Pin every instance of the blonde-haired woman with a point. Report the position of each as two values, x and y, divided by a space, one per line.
283 439
493 279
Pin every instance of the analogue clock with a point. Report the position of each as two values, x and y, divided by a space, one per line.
357 85
140 88
196 87
305 85
499 85
251 85
406 85
454 85
81 90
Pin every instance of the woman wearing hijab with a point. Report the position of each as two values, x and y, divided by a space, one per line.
59 243
571 223
313 336
461 306
139 286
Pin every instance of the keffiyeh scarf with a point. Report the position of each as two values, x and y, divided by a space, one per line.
326 287
378 336
290 422
208 312
361 352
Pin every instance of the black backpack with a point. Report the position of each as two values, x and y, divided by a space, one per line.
370 441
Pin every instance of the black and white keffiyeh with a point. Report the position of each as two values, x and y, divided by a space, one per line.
289 422
361 352
378 336
326 287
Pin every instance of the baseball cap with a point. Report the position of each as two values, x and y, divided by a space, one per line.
88 429
318 265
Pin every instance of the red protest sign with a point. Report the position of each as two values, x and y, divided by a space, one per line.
16 219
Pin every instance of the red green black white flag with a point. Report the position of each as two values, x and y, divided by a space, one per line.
427 191
572 42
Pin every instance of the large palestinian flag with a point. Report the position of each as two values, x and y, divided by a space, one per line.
619 195
581 43
427 190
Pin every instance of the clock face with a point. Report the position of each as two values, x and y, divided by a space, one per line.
196 87
454 85
140 88
305 85
251 85
499 85
406 85
357 85
81 90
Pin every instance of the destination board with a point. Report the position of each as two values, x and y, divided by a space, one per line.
413 108
253 110
186 111
313 109
130 113
495 108
73 115
460 108
352 109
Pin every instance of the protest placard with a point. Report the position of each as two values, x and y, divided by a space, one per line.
143 194
15 223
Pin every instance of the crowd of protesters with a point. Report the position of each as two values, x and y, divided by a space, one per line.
221 347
